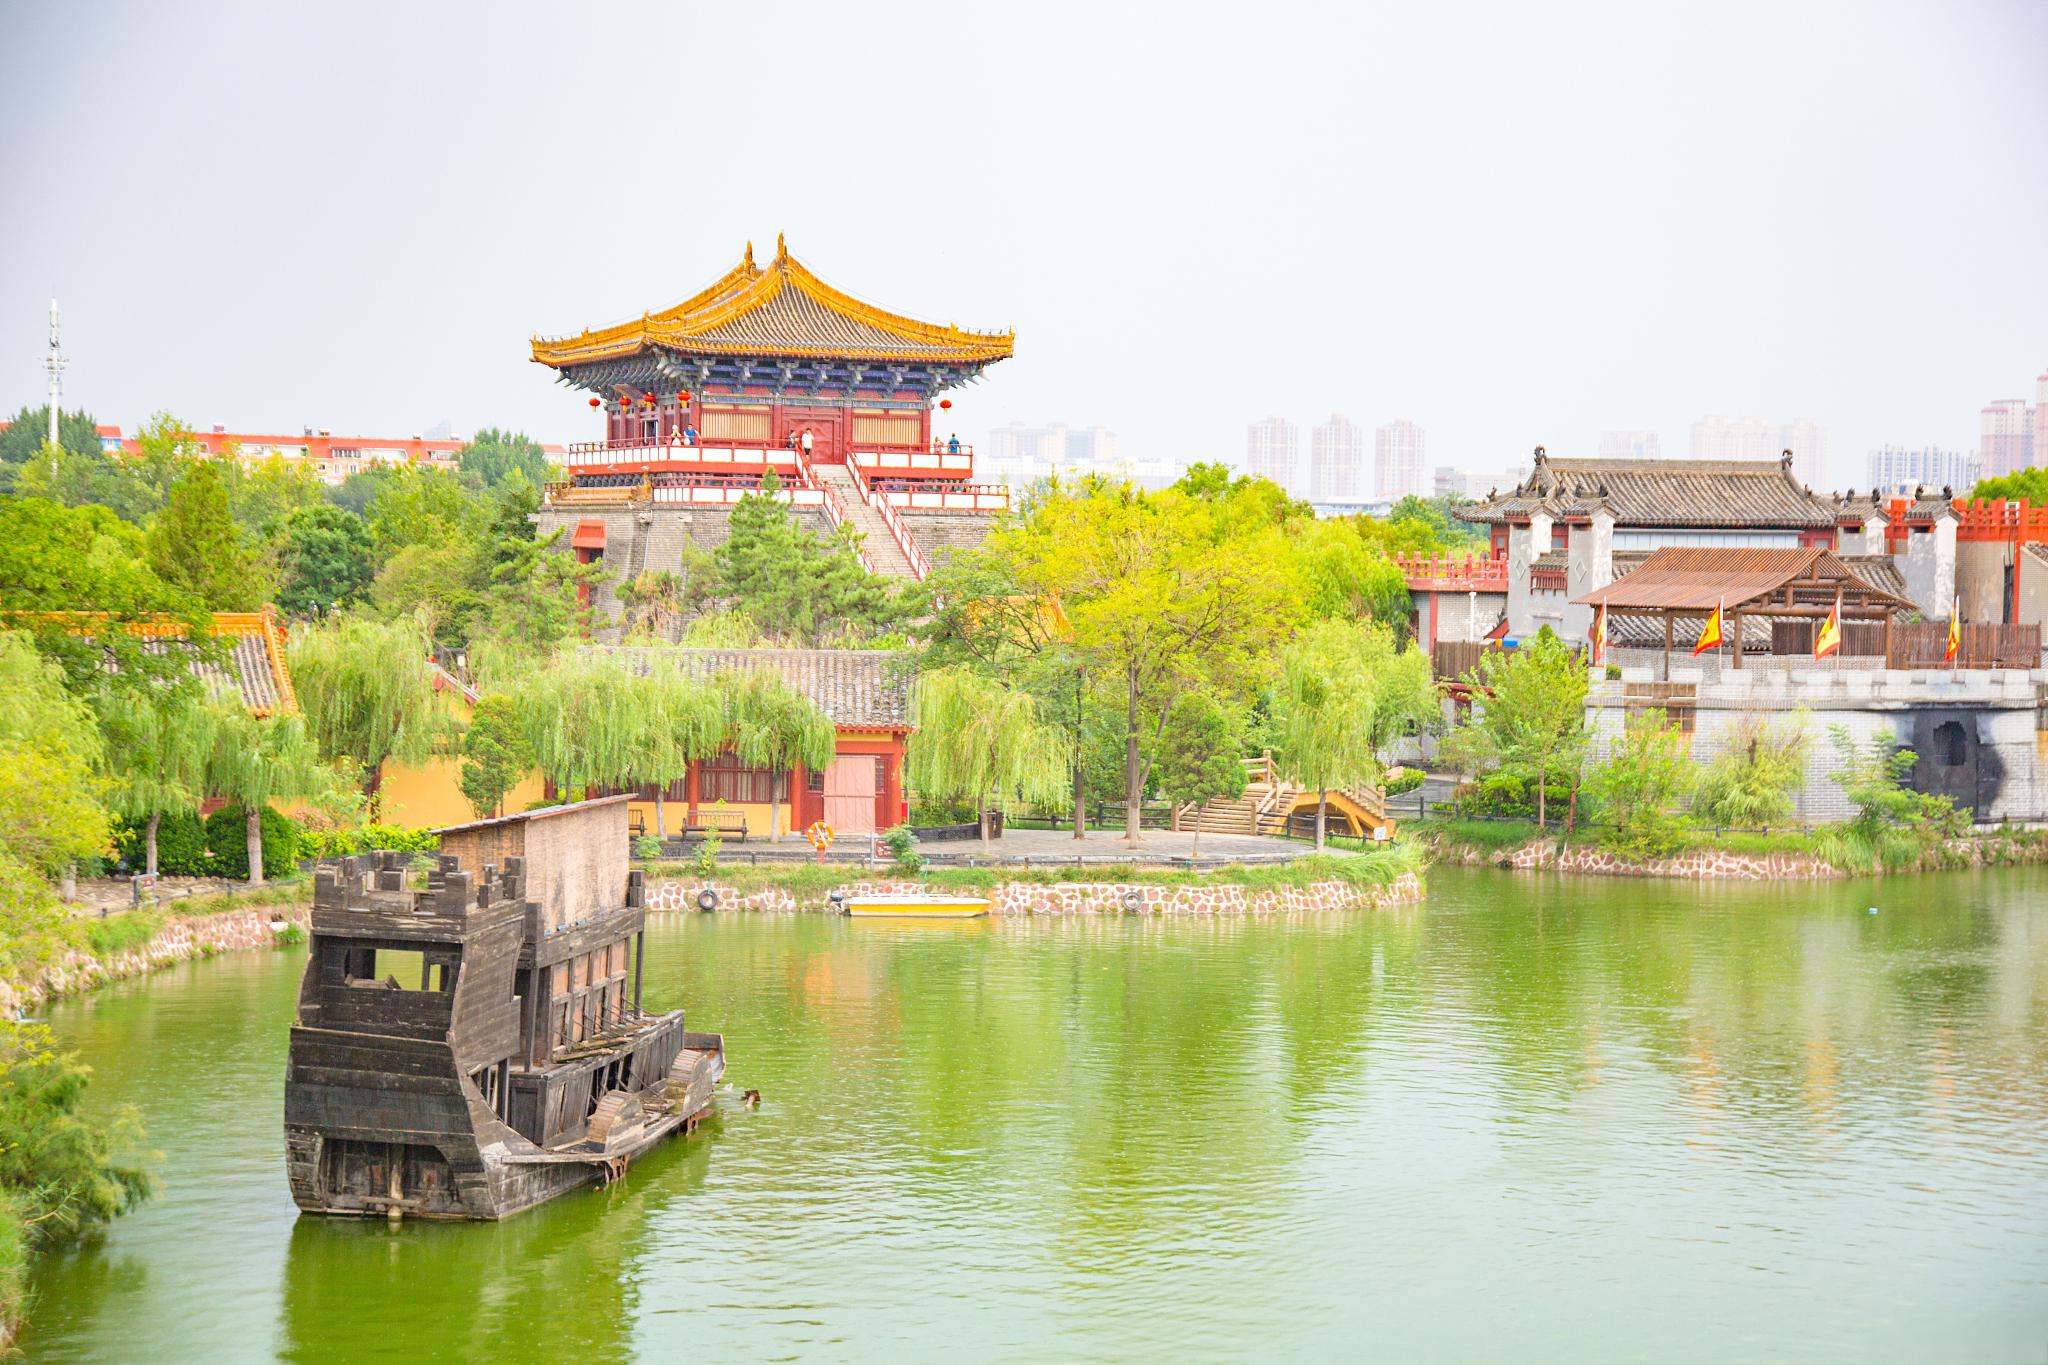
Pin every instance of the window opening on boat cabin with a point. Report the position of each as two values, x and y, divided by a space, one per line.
398 969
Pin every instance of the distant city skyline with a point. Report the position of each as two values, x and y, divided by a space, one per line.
1400 458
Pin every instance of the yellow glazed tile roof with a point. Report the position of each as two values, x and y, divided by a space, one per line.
781 310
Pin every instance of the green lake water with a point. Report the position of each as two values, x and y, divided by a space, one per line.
1529 1119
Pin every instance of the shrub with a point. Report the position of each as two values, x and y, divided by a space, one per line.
1750 783
704 862
227 835
342 843
647 846
60 1174
1508 796
903 849
181 848
1641 784
1403 780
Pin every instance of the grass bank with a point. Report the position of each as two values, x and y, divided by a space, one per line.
1847 849
1376 867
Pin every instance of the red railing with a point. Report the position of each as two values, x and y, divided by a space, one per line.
1994 520
937 495
1453 573
808 479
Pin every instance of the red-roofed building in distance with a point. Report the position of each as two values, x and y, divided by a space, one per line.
332 458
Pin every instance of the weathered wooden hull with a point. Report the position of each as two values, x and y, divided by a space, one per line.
413 1145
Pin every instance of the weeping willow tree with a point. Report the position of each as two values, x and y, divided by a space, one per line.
687 723
1324 712
587 719
366 689
259 759
772 725
975 738
158 742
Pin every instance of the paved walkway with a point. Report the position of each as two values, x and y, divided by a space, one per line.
1108 846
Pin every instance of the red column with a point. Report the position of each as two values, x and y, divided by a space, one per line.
892 783
690 786
797 795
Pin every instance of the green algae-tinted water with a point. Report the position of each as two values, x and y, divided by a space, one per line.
1529 1119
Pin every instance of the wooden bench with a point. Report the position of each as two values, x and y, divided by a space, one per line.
728 824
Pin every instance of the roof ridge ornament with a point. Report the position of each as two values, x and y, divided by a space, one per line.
748 262
781 248
1785 461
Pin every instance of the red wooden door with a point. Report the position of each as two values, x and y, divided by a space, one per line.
850 789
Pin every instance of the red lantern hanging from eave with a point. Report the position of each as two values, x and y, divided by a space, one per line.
682 395
597 402
945 402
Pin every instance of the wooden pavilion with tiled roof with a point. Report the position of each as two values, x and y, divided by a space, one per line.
1689 582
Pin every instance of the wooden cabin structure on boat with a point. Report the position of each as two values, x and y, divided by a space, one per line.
474 1048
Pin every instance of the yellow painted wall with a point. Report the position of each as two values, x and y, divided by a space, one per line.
430 795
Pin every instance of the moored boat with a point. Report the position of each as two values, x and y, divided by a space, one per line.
925 905
478 1047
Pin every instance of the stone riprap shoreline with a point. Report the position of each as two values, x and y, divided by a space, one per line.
176 940
1721 864
1071 898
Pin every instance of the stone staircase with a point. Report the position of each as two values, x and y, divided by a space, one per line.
883 552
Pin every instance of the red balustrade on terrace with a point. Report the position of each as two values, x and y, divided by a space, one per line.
1985 519
1453 573
937 495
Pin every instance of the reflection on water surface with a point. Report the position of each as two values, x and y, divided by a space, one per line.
1538 1118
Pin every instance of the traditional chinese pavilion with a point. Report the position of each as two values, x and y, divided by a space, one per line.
771 368
765 354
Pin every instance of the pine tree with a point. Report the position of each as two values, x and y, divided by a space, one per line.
194 544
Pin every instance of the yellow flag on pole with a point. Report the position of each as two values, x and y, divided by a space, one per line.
1955 630
1829 638
1710 633
1600 636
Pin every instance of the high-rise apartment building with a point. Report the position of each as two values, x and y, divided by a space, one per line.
1447 482
1336 460
1753 438
1271 451
1897 470
1398 449
2005 437
1630 445
1019 455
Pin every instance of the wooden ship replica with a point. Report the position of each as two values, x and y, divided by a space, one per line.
476 1048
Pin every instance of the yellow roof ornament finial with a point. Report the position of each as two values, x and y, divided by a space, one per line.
781 248
749 262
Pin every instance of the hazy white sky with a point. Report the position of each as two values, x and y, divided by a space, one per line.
1513 224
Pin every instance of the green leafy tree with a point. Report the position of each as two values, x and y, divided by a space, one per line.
1534 714
63 1171
158 746
1875 775
257 760
805 588
1323 711
1752 782
975 739
2030 485
56 562
686 723
1642 785
193 543
493 456
1161 593
774 726
323 560
366 689
495 754
50 810
1346 576
270 492
1201 758
28 430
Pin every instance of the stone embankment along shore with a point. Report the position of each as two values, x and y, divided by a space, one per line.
1074 898
1728 865
176 940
